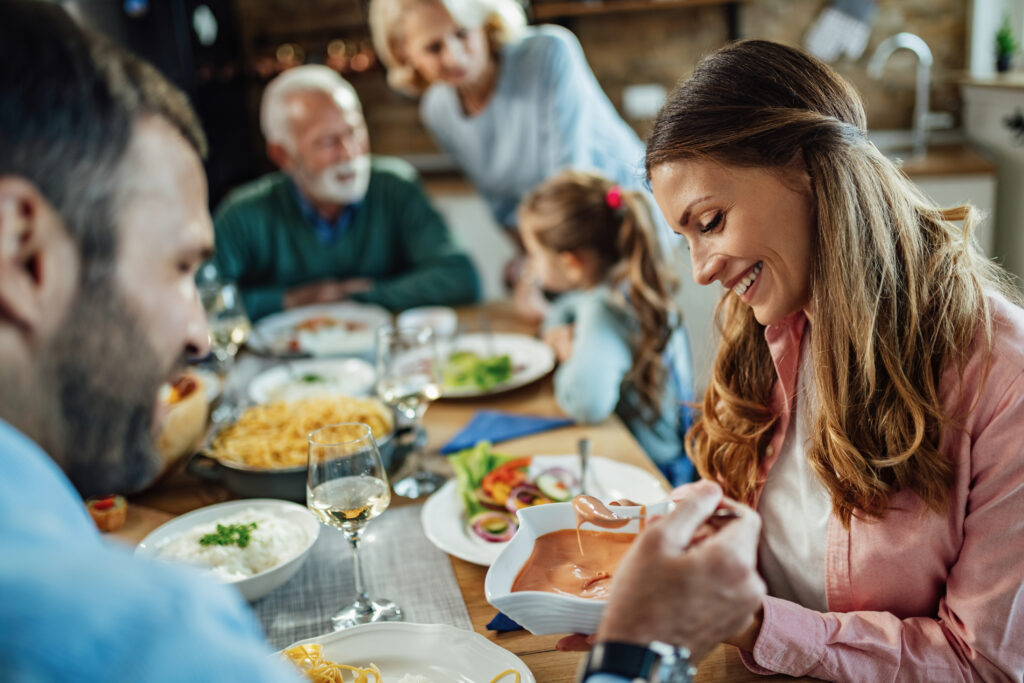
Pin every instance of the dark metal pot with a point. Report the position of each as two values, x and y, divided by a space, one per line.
289 483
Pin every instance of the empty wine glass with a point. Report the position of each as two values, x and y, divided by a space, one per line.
409 378
346 487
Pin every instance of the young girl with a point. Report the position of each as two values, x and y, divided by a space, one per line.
619 341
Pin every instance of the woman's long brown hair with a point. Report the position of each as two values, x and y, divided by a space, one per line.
570 212
897 286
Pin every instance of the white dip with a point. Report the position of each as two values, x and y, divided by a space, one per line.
273 541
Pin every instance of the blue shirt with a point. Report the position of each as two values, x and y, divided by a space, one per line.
78 608
326 231
591 383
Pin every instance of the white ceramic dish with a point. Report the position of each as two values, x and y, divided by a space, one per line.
444 517
274 333
443 320
541 612
290 381
253 587
531 360
444 654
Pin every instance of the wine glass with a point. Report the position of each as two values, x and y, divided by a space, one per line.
346 487
228 321
409 378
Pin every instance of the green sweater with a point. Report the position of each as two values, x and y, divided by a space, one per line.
396 238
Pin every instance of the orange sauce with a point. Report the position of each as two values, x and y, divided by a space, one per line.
557 566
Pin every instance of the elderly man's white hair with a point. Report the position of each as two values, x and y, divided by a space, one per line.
308 78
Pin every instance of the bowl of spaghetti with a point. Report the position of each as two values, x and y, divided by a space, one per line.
263 453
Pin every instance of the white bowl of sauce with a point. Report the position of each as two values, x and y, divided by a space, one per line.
542 581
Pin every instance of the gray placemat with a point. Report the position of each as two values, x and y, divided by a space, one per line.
399 563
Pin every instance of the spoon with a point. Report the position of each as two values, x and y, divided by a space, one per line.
583 448
590 509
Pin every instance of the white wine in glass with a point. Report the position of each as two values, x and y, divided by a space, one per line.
229 324
409 378
346 487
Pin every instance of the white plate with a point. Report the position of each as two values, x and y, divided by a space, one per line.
258 585
444 517
531 360
272 334
444 654
343 377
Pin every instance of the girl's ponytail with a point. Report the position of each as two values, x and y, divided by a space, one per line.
648 288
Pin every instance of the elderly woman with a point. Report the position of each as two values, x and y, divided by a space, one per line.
511 104
868 393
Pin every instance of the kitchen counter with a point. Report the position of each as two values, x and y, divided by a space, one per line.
948 159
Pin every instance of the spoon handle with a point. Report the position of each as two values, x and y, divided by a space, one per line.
583 447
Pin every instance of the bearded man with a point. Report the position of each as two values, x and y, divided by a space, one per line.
103 222
334 223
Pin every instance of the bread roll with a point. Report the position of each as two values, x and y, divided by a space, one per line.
186 420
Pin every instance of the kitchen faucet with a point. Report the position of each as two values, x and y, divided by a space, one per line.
923 118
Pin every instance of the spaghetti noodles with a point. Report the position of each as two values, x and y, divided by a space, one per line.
274 436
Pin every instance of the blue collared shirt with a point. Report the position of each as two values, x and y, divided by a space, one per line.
326 231
79 608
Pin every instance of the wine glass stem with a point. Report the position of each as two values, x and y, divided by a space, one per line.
362 599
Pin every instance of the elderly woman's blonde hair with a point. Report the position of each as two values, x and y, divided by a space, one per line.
503 20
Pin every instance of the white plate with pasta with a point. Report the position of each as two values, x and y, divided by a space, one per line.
417 653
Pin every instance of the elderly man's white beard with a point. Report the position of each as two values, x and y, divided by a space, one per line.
343 183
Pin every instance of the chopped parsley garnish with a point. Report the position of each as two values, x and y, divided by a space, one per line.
311 378
232 534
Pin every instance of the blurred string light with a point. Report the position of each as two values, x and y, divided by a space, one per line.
344 56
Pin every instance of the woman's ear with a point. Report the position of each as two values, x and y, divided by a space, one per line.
38 266
798 175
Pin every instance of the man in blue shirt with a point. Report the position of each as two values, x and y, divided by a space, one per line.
103 221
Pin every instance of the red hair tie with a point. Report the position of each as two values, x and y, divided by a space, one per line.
613 197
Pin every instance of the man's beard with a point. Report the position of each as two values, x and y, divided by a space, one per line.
326 187
105 376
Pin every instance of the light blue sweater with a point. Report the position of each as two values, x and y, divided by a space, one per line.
548 113
591 383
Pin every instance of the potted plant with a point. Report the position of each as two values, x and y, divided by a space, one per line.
1006 45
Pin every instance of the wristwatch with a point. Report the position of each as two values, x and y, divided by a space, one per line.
658 662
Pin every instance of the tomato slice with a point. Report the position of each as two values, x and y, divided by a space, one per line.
500 481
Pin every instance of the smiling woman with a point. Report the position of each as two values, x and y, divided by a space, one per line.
869 381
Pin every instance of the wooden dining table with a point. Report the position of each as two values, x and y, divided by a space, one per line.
178 492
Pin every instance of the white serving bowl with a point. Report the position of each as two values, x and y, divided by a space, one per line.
256 586
540 612
442 319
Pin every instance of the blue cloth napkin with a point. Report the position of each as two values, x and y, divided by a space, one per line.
501 624
496 426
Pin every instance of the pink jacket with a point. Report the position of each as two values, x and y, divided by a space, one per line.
918 596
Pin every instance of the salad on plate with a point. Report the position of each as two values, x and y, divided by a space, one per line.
493 486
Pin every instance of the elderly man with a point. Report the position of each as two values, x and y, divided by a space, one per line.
103 223
335 223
